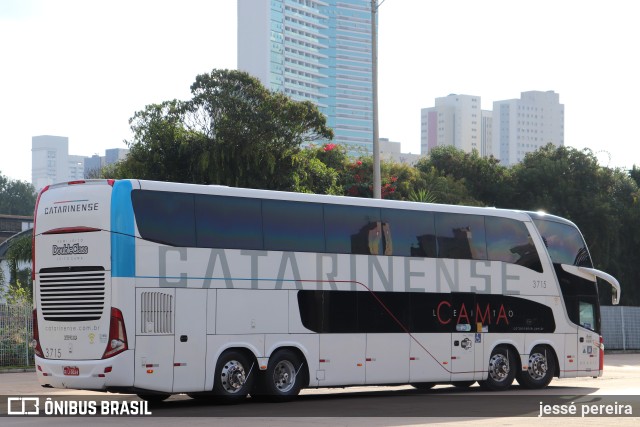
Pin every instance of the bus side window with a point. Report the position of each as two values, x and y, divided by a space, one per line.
293 226
228 222
353 230
508 240
412 233
587 315
165 217
461 236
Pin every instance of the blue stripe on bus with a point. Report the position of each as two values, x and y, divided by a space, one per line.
123 246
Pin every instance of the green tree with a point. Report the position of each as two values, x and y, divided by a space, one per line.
18 284
634 173
603 203
16 197
318 169
232 132
358 178
442 187
487 180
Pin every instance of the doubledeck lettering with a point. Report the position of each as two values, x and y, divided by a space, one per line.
70 250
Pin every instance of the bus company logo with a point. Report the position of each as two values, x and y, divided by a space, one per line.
69 206
67 249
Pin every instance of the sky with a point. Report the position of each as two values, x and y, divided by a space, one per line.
81 69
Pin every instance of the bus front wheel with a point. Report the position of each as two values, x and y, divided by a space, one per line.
234 376
540 369
502 370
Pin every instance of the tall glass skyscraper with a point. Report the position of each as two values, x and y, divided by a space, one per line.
318 51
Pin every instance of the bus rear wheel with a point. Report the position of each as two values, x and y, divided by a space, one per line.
234 376
284 377
540 369
502 370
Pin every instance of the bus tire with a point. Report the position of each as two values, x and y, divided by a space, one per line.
540 369
502 369
234 376
284 377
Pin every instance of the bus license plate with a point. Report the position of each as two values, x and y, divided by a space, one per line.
71 370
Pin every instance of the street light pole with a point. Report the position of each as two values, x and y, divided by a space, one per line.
377 181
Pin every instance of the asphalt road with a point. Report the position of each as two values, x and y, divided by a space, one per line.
372 406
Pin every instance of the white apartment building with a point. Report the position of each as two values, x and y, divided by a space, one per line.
524 125
390 151
456 120
51 161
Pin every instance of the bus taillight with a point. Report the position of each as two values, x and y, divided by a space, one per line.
601 354
71 230
33 236
36 335
117 335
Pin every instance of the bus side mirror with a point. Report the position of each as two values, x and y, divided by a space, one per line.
592 273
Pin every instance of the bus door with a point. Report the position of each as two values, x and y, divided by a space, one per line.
190 340
430 346
385 317
342 345
588 339
466 343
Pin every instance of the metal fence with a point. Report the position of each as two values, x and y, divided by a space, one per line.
16 332
620 328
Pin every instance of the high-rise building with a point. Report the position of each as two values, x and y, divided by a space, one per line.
455 120
318 51
114 155
49 160
523 125
92 166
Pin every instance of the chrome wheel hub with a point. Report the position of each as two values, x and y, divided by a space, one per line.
499 367
232 376
284 376
537 366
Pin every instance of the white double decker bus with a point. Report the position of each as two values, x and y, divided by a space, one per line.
159 288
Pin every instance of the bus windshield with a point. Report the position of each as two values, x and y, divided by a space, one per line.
564 243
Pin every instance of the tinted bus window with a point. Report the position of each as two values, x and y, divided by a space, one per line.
383 312
228 222
353 230
293 226
165 217
412 233
509 241
461 236
564 243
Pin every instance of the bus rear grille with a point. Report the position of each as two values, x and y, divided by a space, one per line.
72 294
